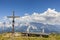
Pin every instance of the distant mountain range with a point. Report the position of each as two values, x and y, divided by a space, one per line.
47 28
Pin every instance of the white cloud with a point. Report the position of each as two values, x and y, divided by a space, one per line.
50 16
1 24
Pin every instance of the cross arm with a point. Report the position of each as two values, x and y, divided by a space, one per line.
13 16
9 16
17 16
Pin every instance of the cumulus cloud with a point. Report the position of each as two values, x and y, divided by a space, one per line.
50 16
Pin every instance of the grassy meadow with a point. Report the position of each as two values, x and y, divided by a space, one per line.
6 36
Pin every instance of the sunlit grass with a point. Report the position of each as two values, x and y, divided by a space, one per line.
51 37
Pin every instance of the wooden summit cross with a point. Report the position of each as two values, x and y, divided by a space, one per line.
13 17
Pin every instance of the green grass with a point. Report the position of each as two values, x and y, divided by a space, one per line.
51 37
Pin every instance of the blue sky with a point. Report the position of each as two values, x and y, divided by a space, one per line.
21 7
27 6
